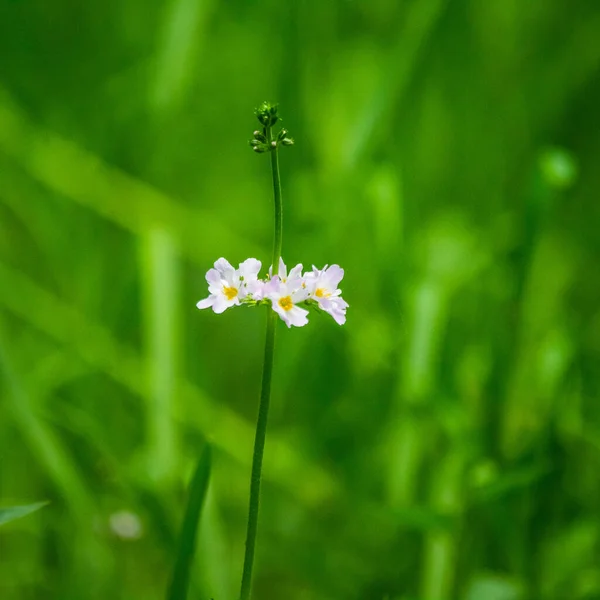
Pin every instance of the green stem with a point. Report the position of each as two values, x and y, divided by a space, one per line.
278 211
259 446
265 394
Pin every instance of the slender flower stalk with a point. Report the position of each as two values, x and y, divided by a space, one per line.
285 294
277 240
267 115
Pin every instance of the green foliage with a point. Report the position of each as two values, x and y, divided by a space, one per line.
445 443
10 513
187 546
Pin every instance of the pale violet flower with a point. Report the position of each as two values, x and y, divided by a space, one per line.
252 286
228 286
286 291
295 273
322 286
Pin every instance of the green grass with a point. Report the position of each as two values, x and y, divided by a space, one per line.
445 443
178 589
10 513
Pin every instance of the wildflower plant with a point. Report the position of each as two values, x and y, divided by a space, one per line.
287 295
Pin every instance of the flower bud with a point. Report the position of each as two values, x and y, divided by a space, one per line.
258 146
267 114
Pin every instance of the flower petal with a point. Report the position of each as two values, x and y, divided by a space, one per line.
337 309
282 269
333 276
255 289
340 302
213 277
206 303
338 316
300 292
298 317
222 304
222 265
280 311
296 272
273 287
249 268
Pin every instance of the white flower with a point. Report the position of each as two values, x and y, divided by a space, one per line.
227 286
322 286
285 292
252 286
295 273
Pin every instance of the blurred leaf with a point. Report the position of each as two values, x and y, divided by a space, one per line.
46 445
217 574
182 33
559 167
385 193
197 493
16 512
565 559
86 179
419 22
493 587
162 337
505 483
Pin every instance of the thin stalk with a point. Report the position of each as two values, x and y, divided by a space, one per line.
278 205
265 394
259 446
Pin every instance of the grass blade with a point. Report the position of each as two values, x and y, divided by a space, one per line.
187 544
10 513
159 261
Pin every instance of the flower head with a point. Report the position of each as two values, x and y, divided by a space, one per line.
228 286
286 292
322 287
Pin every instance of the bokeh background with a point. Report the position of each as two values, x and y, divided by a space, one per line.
445 443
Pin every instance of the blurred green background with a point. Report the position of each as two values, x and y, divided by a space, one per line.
445 443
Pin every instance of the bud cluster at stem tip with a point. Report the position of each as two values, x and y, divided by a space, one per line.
264 140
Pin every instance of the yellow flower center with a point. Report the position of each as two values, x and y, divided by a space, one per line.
321 293
230 292
286 303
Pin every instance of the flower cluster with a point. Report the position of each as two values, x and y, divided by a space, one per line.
285 292
264 141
